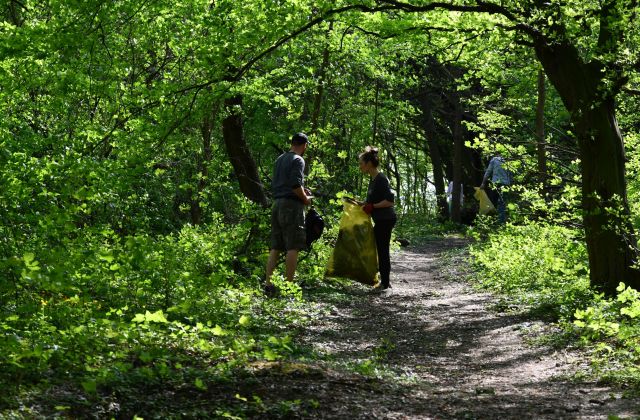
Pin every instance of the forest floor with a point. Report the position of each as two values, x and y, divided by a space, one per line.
432 348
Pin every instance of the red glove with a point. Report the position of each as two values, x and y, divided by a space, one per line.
367 208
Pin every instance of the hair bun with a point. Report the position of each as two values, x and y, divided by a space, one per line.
370 154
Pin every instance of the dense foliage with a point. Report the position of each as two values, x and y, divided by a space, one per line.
130 252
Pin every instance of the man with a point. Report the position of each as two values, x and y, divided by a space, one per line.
499 178
287 214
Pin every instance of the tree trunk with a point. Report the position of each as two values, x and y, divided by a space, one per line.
239 154
203 166
540 136
394 170
436 161
317 100
610 237
611 242
14 12
458 144
322 76
375 114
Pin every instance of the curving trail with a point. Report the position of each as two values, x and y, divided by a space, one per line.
432 349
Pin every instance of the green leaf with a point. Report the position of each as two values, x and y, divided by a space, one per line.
90 386
107 257
200 384
270 354
244 320
218 331
145 357
139 318
157 316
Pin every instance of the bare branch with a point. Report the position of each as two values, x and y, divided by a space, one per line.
634 92
480 7
411 29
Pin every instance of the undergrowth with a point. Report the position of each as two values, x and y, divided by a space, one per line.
96 325
419 229
544 267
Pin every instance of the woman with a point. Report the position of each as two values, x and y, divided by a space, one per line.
379 204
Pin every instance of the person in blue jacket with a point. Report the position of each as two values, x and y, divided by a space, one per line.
499 178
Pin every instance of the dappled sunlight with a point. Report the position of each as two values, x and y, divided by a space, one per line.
446 352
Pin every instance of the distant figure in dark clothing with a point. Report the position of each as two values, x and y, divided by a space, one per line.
379 204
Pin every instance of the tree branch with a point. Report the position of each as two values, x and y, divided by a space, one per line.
634 92
412 29
383 5
481 6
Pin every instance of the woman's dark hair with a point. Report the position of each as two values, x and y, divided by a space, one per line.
370 154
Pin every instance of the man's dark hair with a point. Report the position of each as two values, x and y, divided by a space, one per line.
299 138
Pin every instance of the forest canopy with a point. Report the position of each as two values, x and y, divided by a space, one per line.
137 141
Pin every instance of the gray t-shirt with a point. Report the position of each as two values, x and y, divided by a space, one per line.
288 174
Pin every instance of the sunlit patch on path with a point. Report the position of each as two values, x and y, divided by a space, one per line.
433 349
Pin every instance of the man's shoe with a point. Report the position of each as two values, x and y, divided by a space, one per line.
270 290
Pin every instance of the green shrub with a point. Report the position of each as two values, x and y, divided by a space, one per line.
611 328
535 263
545 267
106 311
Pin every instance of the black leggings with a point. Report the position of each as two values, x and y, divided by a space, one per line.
382 231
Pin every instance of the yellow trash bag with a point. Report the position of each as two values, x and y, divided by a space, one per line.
355 255
486 206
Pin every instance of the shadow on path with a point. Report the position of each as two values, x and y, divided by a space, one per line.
436 351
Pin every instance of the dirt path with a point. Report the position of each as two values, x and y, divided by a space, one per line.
432 349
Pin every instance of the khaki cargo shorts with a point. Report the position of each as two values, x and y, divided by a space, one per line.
287 225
